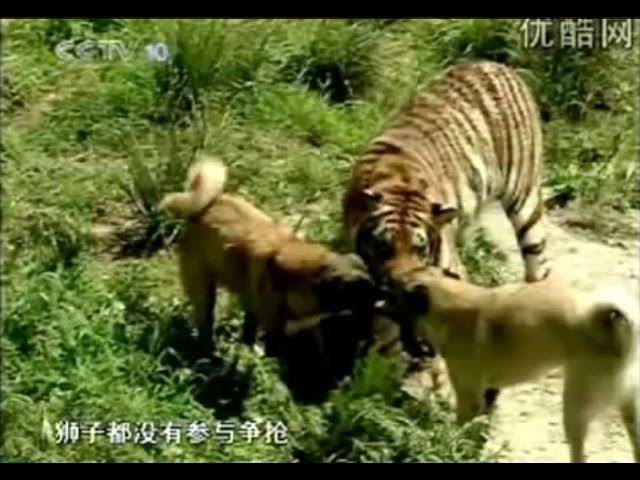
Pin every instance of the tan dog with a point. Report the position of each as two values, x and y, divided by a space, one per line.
498 337
278 276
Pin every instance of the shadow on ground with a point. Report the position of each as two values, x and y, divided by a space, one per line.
313 362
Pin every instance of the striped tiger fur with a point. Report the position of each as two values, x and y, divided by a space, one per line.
473 136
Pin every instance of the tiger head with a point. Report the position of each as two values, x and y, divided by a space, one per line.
402 229
398 230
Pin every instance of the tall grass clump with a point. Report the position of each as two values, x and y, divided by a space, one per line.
335 58
211 59
448 42
594 165
152 171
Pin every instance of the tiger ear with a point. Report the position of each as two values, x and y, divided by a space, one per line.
370 198
443 214
371 194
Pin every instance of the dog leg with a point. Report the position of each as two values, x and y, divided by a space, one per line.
272 322
201 291
202 317
274 344
250 328
468 404
490 398
576 417
438 370
629 413
575 427
324 358
250 325
468 398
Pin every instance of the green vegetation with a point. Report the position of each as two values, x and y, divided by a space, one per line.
94 323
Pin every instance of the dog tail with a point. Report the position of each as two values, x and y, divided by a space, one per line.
615 319
205 181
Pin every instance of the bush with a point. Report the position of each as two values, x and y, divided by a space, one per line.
571 83
595 165
450 42
148 178
337 59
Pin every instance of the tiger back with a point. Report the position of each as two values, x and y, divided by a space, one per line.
473 136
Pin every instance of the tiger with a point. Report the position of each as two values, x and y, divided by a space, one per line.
473 136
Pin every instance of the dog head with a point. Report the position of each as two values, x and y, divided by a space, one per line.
344 282
406 300
315 279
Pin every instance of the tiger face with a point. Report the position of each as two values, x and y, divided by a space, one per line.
402 229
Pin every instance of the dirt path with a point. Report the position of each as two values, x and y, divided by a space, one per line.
528 422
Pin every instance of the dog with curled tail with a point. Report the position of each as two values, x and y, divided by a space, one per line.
493 338
279 276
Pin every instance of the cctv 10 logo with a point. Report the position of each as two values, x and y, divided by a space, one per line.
109 51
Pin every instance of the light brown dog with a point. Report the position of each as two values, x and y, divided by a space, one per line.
279 277
498 337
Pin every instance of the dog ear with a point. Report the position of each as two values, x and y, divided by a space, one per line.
451 274
405 318
416 305
413 300
610 328
443 214
609 318
356 260
417 299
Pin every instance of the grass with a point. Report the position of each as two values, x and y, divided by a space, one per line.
486 264
288 105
